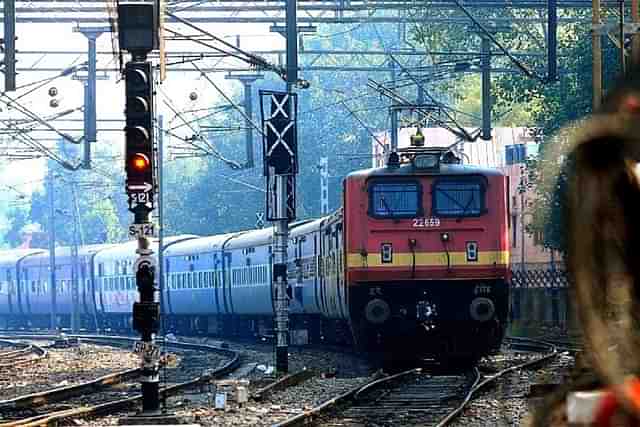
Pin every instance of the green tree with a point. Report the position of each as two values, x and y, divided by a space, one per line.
553 106
18 219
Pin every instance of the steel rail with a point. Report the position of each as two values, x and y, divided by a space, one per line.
58 394
53 418
352 394
529 344
282 383
15 353
41 353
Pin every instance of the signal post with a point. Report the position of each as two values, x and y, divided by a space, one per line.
138 35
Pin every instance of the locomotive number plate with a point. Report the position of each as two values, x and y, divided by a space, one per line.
426 222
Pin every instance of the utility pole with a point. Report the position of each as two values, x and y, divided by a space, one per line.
247 81
9 9
75 324
522 188
485 64
324 186
90 126
596 49
280 149
552 40
394 111
281 238
52 250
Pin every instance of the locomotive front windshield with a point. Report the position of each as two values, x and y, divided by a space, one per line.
458 197
395 199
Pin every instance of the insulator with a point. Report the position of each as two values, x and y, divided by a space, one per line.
193 96
54 103
53 91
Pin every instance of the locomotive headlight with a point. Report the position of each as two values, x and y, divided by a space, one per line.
427 161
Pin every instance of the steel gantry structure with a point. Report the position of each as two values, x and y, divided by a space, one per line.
309 11
95 14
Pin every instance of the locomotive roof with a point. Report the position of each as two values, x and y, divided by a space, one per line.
11 257
408 169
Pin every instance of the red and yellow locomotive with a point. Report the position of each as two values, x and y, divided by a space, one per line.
427 256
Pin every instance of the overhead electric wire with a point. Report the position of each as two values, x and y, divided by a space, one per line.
362 124
211 149
462 132
249 57
490 36
21 108
206 45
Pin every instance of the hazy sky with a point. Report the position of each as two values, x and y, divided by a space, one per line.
26 175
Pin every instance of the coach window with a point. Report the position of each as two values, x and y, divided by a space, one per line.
395 199
459 197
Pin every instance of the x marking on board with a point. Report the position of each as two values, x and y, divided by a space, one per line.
279 106
280 140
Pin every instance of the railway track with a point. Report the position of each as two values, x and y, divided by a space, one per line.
416 397
25 354
52 414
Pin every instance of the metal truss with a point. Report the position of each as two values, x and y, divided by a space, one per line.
309 11
310 60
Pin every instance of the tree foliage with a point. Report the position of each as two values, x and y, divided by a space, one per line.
553 106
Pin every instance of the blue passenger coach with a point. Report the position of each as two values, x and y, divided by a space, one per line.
11 307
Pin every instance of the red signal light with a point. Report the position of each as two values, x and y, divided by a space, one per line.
140 162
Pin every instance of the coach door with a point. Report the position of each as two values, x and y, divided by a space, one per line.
225 290
330 279
341 283
11 291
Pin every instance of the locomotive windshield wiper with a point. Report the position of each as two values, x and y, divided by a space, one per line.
466 207
386 206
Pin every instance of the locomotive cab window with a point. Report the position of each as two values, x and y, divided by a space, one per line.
396 199
455 197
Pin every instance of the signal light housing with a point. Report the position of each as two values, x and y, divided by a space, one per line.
139 154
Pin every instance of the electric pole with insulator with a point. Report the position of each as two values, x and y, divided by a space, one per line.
138 35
